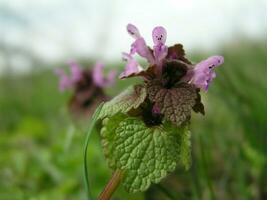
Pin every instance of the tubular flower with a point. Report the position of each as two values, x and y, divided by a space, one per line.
132 66
203 73
160 50
139 45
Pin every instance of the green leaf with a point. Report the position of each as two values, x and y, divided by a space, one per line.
145 154
108 133
132 97
186 159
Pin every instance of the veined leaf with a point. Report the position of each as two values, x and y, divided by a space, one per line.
124 102
145 154
175 103
185 153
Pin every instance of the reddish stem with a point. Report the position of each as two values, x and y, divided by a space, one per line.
112 185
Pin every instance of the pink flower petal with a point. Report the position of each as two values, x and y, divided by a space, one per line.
203 73
140 47
159 35
132 67
133 31
160 52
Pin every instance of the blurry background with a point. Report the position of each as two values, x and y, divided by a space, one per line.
41 147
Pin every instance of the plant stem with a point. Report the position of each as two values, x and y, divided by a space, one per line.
112 185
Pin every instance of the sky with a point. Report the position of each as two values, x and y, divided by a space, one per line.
59 30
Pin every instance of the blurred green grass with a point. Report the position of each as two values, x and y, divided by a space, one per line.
41 148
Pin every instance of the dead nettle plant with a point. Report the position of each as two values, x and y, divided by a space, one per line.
145 129
87 86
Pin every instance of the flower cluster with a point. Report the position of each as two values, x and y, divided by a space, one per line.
87 85
78 75
172 81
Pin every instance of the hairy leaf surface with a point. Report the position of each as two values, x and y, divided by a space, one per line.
145 154
128 99
175 103
185 153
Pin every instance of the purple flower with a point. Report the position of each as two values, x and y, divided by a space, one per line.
98 76
133 31
139 45
170 79
64 81
132 66
203 73
167 63
159 35
77 74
